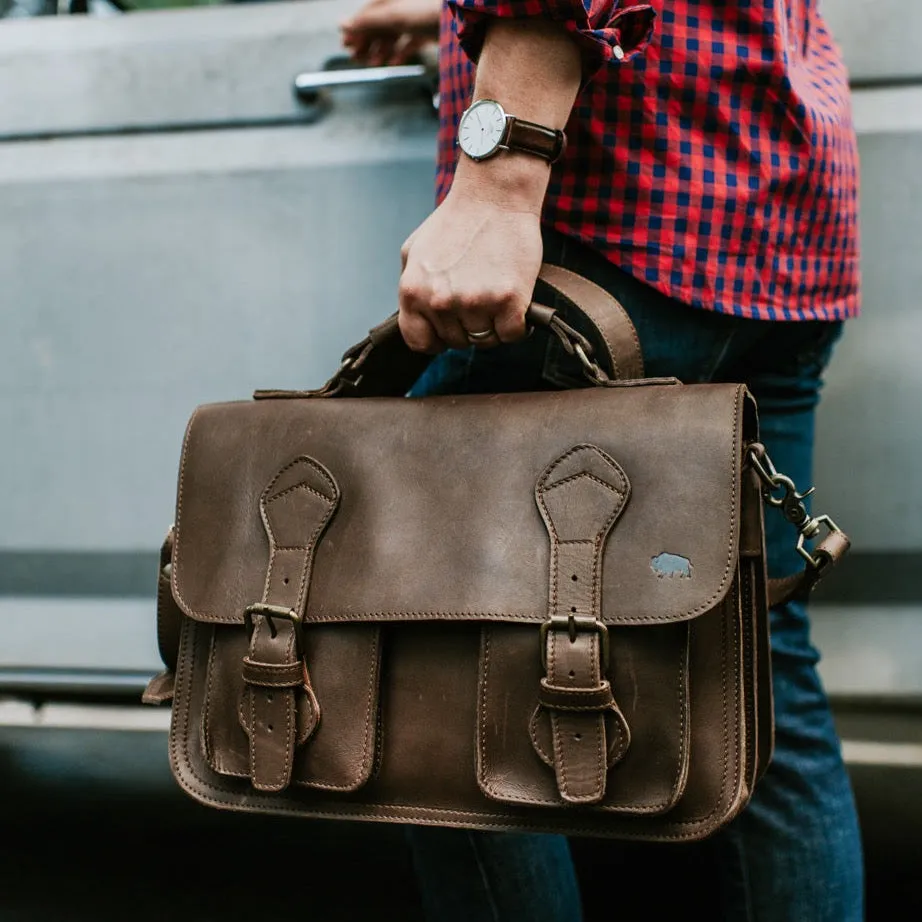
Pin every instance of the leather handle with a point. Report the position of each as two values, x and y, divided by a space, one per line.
382 365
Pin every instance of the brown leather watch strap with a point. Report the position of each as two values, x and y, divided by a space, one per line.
546 143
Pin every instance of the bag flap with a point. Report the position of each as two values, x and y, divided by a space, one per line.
437 515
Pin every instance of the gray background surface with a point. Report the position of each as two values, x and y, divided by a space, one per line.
236 238
176 228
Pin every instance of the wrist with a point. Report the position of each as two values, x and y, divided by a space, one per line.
514 180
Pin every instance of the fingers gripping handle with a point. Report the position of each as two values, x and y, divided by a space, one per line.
608 348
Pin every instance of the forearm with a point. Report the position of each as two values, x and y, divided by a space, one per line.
533 68
469 270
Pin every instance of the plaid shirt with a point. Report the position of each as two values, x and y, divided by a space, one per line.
713 157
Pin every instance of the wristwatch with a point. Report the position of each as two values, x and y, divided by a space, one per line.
485 129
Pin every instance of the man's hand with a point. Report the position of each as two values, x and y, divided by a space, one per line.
391 31
469 268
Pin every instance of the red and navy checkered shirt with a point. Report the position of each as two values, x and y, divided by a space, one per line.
713 157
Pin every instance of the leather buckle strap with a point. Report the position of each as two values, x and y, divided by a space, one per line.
280 710
580 497
588 731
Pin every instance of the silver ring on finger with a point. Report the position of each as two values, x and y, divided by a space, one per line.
481 335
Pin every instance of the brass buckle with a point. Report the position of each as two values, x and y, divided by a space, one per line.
572 624
271 613
791 504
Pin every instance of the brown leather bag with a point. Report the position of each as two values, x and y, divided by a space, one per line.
541 611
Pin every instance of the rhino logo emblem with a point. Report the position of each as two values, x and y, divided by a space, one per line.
671 566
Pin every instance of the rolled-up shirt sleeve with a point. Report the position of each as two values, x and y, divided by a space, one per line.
605 30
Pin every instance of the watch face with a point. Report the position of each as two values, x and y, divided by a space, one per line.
481 129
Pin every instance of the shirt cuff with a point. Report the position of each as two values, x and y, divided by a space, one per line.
603 29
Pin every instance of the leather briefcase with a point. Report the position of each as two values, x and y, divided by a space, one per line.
528 611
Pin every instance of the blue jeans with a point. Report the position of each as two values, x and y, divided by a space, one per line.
794 854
